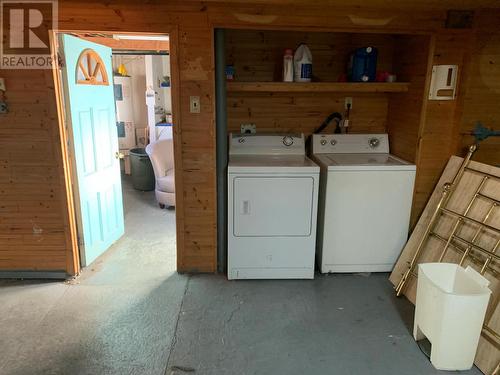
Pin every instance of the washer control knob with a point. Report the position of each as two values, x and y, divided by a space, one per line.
241 140
333 142
323 142
374 142
287 140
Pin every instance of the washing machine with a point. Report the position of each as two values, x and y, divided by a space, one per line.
365 202
272 207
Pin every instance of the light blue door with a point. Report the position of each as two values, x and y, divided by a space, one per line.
88 80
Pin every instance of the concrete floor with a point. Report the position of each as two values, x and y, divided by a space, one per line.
131 313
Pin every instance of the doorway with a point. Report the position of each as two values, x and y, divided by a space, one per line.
115 105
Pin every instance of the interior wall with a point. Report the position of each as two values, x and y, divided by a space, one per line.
157 71
438 134
257 56
481 102
160 68
136 69
303 113
34 216
34 221
405 109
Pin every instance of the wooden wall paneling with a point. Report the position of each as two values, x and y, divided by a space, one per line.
407 111
258 55
196 198
198 147
404 5
411 59
33 232
482 87
195 22
320 18
439 131
317 87
304 112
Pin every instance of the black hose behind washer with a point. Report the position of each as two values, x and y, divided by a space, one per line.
335 115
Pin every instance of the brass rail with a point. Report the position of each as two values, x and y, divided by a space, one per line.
448 190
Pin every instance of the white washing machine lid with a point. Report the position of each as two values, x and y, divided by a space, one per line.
271 164
364 162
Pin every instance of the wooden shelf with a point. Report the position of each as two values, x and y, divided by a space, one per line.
313 87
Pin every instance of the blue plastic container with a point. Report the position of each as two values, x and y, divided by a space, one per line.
363 65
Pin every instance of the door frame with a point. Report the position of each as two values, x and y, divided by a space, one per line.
65 134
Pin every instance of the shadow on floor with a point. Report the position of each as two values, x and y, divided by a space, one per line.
118 317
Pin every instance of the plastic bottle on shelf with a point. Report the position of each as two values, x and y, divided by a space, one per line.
302 64
288 65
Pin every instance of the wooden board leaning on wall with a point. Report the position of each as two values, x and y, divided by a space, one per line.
488 354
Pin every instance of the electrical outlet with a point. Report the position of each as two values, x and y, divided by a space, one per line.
194 104
248 128
348 102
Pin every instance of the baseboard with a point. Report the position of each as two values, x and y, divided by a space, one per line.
21 274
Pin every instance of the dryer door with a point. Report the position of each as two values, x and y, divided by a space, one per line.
273 206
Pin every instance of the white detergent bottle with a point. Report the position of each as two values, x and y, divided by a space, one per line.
302 61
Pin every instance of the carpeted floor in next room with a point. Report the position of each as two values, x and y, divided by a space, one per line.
131 313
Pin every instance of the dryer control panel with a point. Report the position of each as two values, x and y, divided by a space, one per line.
268 144
350 144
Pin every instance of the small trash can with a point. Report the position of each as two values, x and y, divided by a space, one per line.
449 310
143 177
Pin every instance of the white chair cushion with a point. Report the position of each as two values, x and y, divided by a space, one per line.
166 183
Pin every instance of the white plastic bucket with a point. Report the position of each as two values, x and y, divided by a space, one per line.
450 308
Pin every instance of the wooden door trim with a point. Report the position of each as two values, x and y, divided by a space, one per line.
73 257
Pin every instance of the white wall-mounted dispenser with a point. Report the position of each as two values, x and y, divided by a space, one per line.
443 82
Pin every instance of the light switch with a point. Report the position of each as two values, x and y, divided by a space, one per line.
194 104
